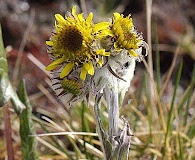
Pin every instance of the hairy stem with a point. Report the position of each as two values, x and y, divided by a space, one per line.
100 129
113 112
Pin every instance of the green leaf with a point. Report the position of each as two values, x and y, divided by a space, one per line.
26 127
6 90
171 110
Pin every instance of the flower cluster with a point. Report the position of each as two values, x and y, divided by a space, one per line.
85 55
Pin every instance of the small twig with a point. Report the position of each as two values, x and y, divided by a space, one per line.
150 60
22 45
37 63
149 15
8 132
65 133
50 146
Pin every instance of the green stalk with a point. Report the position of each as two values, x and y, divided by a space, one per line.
26 127
192 85
171 111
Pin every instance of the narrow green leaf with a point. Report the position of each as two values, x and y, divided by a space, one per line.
150 112
26 127
171 113
6 90
170 116
181 152
192 86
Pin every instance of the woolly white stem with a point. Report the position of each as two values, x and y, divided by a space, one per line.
113 110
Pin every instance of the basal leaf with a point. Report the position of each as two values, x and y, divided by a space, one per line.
26 127
6 90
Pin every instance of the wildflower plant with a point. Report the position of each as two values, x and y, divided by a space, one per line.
96 60
73 43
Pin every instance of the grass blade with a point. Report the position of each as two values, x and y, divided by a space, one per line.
192 85
26 127
181 152
171 111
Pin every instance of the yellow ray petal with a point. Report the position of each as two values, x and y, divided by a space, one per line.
116 16
100 62
54 64
133 53
89 67
100 26
107 32
67 69
59 18
89 18
83 73
121 38
49 43
102 52
80 17
134 46
74 11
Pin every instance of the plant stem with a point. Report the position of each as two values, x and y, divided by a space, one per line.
100 129
8 132
113 112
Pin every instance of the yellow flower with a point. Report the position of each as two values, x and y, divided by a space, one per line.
124 34
72 44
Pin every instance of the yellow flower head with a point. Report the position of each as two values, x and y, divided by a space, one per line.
124 34
72 44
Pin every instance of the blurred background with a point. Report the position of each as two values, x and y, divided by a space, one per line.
175 20
27 24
